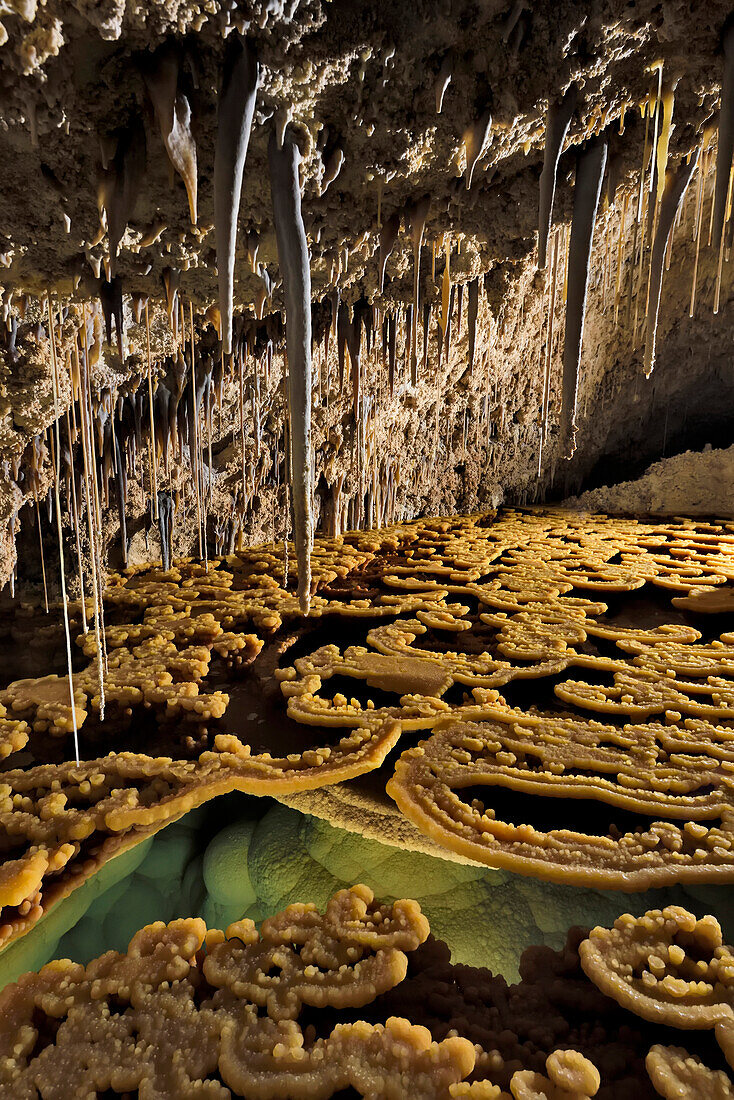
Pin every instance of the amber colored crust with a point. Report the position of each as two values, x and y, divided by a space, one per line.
535 650
676 1073
665 966
191 1012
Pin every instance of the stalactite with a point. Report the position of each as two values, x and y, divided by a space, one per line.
650 196
74 495
636 239
426 326
369 322
152 446
656 67
353 335
204 398
449 312
137 307
192 433
62 568
410 353
241 405
110 296
120 185
332 168
445 289
476 140
237 96
589 175
165 526
257 429
416 215
615 171
342 330
93 514
391 349
558 120
667 99
334 298
443 80
121 481
620 257
173 113
471 318
294 266
698 220
11 350
725 149
388 237
171 278
722 243
676 184
545 407
41 553
606 263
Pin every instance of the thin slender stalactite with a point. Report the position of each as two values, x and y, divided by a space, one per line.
92 499
43 559
55 459
152 444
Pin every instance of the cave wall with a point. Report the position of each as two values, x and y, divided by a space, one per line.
354 80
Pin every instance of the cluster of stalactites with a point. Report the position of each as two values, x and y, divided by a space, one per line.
170 79
168 414
653 212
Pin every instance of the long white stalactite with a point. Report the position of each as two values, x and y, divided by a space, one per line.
295 270
557 123
590 167
676 185
725 148
234 122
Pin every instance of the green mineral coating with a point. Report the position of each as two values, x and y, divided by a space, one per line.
280 865
223 862
133 889
225 869
46 939
487 917
348 855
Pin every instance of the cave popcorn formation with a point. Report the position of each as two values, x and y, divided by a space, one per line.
366 517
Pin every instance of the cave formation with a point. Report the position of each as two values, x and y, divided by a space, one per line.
332 333
439 156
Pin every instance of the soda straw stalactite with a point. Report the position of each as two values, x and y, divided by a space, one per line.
152 444
55 459
92 500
